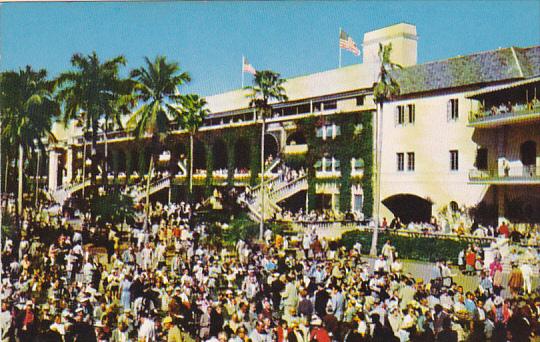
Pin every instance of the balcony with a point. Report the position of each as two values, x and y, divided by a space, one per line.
500 116
526 174
295 149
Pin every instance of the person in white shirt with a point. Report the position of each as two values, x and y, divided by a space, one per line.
527 272
380 265
147 330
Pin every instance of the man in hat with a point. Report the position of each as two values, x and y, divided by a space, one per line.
173 334
318 332
81 330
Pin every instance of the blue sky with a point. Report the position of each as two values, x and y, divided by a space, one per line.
208 39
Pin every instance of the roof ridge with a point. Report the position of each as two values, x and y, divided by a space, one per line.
459 56
517 61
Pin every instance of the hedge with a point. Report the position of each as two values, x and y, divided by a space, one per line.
422 248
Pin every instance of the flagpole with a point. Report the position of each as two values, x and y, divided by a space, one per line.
339 46
243 61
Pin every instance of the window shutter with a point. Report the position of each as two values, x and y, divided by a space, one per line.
449 110
396 115
407 114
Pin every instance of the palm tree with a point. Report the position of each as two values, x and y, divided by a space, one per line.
267 86
385 88
156 87
88 92
28 108
190 116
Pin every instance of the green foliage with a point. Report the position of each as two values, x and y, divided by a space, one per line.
352 143
9 228
113 207
209 169
241 227
421 248
386 86
295 161
230 141
255 162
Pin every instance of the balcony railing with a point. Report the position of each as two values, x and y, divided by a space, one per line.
517 174
504 115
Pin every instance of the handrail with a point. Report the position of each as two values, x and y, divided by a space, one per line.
510 173
517 110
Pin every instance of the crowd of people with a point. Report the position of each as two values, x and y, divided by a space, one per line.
167 282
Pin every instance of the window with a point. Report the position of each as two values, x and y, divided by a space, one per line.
454 160
329 105
410 161
400 161
358 202
452 110
400 115
328 131
482 159
411 111
359 100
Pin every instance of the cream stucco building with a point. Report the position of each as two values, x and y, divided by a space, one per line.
431 146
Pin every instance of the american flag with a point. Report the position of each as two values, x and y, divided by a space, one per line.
248 67
347 43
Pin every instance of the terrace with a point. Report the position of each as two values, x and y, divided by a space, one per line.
523 174
507 104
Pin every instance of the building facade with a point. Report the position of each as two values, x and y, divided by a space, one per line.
440 156
436 155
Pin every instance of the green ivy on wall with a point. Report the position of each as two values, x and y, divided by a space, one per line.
349 144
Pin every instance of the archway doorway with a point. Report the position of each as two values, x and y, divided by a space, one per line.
528 157
242 153
271 146
409 207
199 156
296 138
219 152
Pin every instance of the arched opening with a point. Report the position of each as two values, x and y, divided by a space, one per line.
271 147
454 206
296 138
242 153
121 166
528 153
219 153
528 158
199 156
409 207
524 209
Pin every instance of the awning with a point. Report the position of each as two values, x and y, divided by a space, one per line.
496 88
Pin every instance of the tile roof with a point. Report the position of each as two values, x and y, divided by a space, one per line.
480 68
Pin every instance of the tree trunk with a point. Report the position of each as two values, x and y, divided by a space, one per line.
190 180
106 170
20 184
37 179
84 165
93 154
263 190
378 145
147 205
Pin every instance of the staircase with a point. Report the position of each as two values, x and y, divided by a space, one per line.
276 191
63 192
155 186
